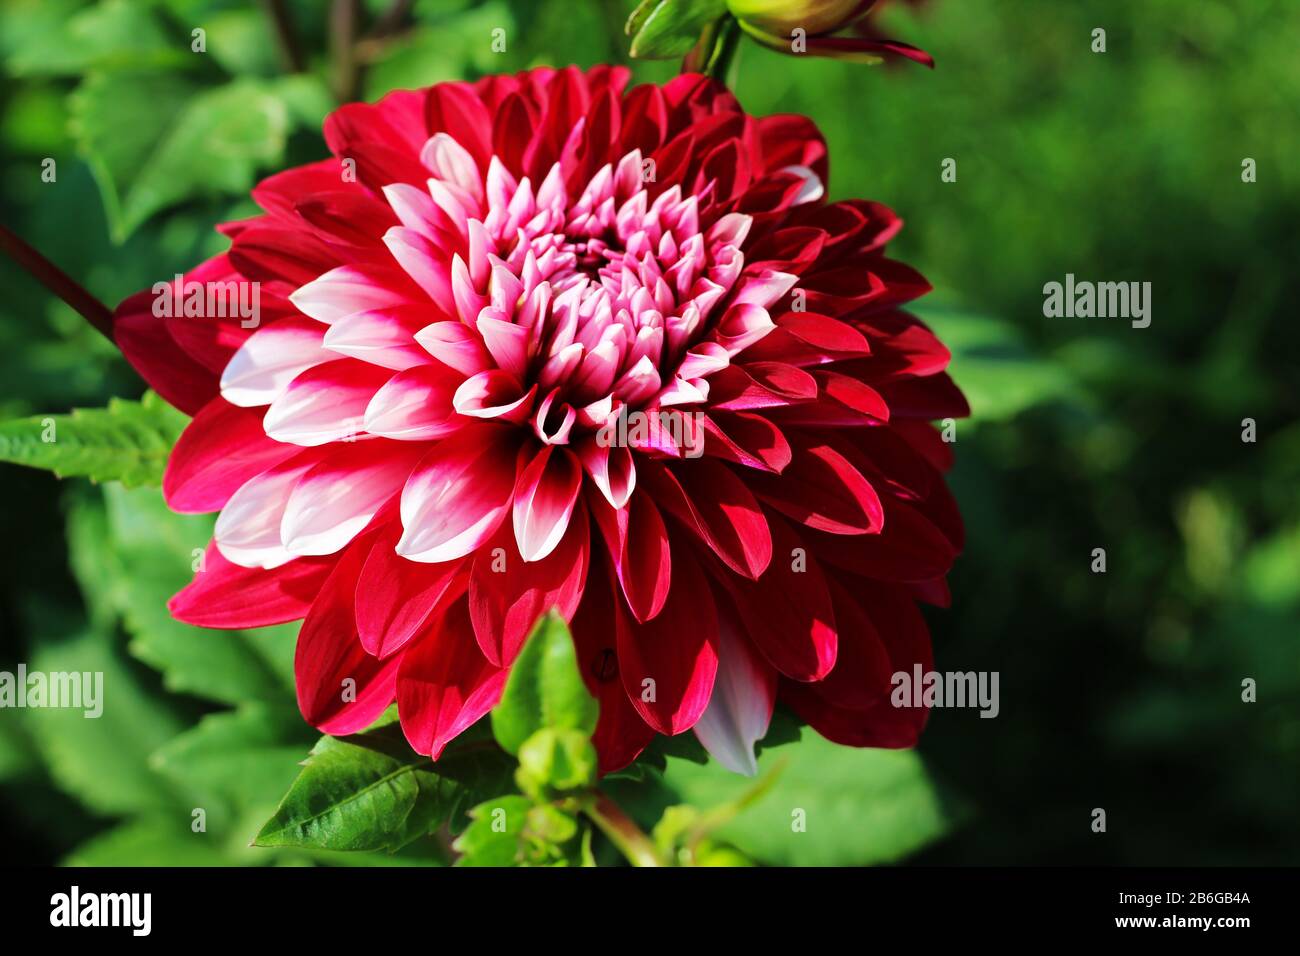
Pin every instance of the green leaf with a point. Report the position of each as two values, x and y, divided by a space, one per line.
998 374
856 807
130 557
16 756
151 840
54 38
545 688
306 97
360 793
637 18
672 28
127 441
153 141
103 761
495 835
241 42
243 759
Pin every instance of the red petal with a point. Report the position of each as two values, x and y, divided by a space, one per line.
638 543
149 347
223 447
396 597
330 653
508 594
712 501
668 664
746 439
821 489
878 724
788 612
620 734
935 396
225 595
445 684
909 547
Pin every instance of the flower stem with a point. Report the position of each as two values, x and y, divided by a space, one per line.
58 282
724 50
622 831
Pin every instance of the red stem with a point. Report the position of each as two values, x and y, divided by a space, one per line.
58 282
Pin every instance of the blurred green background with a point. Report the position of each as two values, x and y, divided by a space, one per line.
1119 690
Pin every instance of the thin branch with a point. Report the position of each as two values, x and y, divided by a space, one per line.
622 831
392 19
286 36
344 16
58 282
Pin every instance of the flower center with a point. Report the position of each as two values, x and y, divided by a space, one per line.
593 303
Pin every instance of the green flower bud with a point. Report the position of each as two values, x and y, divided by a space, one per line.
555 759
778 17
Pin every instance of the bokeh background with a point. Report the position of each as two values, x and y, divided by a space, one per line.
1119 690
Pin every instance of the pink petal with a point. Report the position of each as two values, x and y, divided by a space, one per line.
612 469
415 405
383 337
544 498
222 448
349 289
494 394
271 358
455 345
325 404
335 500
458 495
248 529
507 342
422 261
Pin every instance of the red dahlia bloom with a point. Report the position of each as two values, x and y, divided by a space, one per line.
433 434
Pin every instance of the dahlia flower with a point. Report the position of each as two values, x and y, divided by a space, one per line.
412 449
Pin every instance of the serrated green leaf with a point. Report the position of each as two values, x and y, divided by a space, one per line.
154 140
127 441
131 555
351 796
673 27
495 835
545 688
